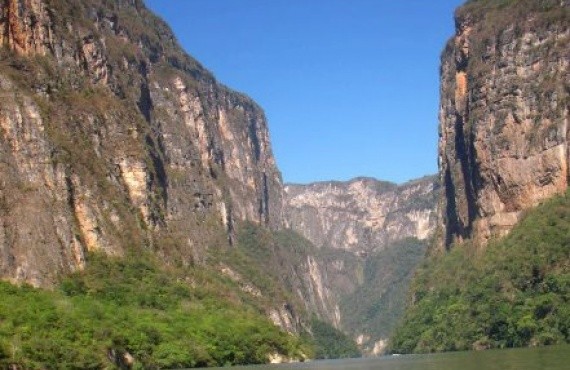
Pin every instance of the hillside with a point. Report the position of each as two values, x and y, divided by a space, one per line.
514 293
138 313
376 304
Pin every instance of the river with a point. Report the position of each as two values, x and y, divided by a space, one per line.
542 358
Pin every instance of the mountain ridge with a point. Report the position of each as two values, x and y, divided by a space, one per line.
376 200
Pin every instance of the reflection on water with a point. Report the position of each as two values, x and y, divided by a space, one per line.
543 358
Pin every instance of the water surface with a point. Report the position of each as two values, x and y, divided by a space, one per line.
542 358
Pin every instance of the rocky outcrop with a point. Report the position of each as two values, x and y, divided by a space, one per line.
112 138
503 144
362 215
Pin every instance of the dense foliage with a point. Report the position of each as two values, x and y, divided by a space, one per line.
122 310
514 293
375 305
332 343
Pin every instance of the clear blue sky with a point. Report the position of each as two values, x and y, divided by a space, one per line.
350 87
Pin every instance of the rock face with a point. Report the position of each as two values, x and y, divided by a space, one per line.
369 235
112 137
504 132
362 215
25 26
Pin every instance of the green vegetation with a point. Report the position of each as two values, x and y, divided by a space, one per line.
276 262
514 293
515 9
332 343
375 306
271 260
117 310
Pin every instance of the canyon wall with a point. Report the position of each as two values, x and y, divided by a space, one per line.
503 144
503 158
369 236
112 138
362 215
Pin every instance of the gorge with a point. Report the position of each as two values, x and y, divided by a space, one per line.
138 194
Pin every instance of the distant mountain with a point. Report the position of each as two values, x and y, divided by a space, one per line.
362 215
370 235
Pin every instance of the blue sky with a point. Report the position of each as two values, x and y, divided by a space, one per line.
350 88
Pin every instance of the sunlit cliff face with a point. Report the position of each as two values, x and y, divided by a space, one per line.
361 215
117 138
503 144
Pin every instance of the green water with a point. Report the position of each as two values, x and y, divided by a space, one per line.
543 358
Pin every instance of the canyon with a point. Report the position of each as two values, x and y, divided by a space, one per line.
369 237
114 140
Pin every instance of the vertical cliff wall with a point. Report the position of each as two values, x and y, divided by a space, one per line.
362 215
112 138
503 144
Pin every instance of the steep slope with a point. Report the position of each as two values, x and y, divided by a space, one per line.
369 235
503 150
515 293
111 137
376 304
503 143
295 279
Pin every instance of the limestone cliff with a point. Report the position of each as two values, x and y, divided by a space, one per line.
504 133
370 235
361 215
111 138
